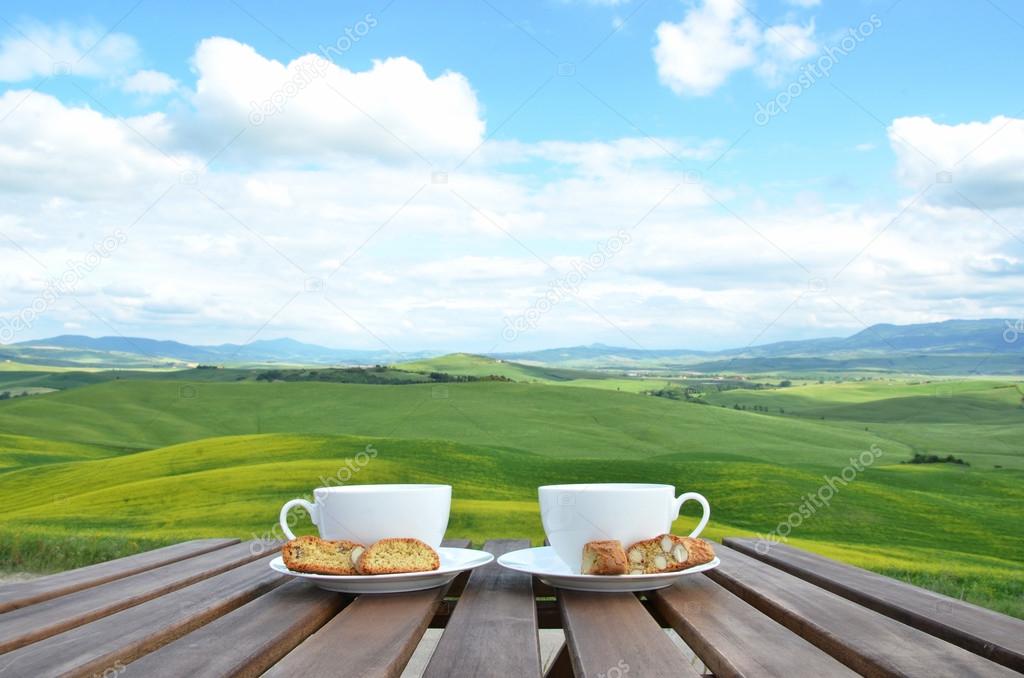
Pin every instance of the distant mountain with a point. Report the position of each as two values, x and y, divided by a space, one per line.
882 346
72 350
129 345
949 347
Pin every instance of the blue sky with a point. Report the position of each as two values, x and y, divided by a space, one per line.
434 183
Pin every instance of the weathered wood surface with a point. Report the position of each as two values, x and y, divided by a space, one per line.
35 622
120 638
612 634
248 640
990 634
493 631
866 641
733 639
21 594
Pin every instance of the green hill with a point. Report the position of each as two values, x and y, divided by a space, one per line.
978 420
543 419
481 366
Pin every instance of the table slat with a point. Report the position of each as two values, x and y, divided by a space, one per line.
373 637
493 631
35 622
22 594
990 634
733 639
613 634
110 643
864 640
248 640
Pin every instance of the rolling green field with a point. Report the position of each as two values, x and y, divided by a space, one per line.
99 470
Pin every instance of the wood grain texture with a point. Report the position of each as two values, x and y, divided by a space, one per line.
612 634
113 642
248 640
373 637
866 641
493 630
22 594
735 640
35 622
990 634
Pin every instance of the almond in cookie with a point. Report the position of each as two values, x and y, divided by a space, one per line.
604 557
402 554
668 553
321 556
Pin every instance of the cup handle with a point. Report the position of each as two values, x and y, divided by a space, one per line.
310 509
699 498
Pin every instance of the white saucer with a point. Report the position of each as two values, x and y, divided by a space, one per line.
453 562
542 563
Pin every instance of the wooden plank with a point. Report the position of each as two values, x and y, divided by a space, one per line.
612 634
13 596
869 643
493 631
733 639
106 646
373 637
249 640
990 634
35 622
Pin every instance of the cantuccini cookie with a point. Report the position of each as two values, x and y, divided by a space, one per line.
398 555
321 556
668 553
604 557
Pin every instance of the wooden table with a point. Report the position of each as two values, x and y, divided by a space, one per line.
214 608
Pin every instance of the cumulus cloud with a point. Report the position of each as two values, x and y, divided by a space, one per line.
979 162
717 38
313 109
149 82
48 148
35 50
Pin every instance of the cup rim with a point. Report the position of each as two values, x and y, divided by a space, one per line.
384 487
598 487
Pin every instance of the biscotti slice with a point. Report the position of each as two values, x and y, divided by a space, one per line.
604 557
321 556
668 553
397 555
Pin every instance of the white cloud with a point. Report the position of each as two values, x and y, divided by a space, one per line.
149 82
313 110
720 37
419 267
985 160
33 50
804 3
63 151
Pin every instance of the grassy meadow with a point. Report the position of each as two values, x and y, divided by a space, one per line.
113 466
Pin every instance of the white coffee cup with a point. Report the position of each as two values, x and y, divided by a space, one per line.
629 512
367 513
